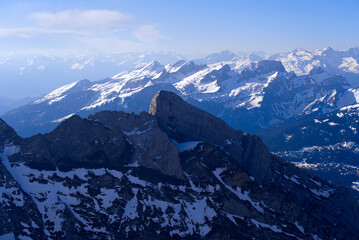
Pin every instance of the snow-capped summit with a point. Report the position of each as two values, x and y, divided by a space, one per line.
151 69
344 62
262 67
34 72
185 67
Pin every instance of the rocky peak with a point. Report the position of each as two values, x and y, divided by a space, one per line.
184 122
316 70
328 50
141 70
81 86
106 139
191 67
261 67
76 143
154 65
7 134
176 117
220 75
177 64
152 147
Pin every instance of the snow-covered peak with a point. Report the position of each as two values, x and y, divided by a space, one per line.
262 67
184 67
56 93
59 93
195 83
266 66
302 53
327 51
350 64
175 66
344 62
152 69
336 99
151 66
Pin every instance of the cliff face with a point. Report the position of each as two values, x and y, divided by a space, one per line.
184 122
176 172
152 147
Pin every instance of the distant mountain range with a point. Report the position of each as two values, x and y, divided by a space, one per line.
275 97
31 75
34 75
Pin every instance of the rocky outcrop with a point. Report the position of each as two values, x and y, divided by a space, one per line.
76 143
184 122
104 140
152 147
261 67
7 134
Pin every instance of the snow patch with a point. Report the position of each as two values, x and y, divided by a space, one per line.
131 207
322 193
260 225
186 146
238 192
56 93
300 228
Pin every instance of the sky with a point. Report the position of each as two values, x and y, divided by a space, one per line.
187 27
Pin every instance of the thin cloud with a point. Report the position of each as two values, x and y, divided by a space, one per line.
29 32
110 43
90 28
81 19
148 33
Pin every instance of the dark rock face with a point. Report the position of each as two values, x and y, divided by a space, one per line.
177 172
183 122
247 149
152 147
76 143
7 134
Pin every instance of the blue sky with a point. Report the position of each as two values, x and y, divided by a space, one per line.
187 27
